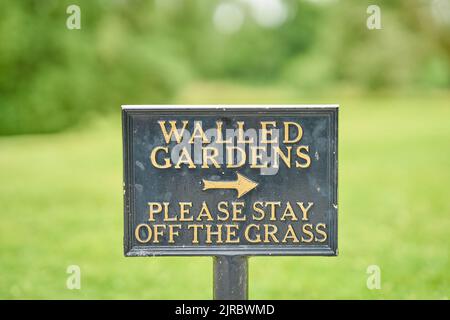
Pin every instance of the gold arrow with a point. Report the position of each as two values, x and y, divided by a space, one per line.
242 185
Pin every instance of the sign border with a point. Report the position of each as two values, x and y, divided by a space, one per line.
128 111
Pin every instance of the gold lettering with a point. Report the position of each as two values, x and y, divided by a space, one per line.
247 233
237 210
255 156
270 233
210 158
260 211
273 209
195 232
185 158
287 139
157 232
173 232
166 213
305 210
184 211
154 207
241 138
290 234
153 156
198 133
265 133
204 212
220 134
285 157
137 233
303 156
242 156
217 233
222 207
323 233
289 212
173 130
307 232
231 233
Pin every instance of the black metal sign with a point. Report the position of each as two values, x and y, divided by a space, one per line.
230 180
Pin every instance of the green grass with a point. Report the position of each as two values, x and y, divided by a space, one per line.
61 204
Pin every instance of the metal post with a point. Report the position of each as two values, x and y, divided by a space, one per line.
231 278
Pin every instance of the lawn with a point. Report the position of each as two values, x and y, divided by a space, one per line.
61 205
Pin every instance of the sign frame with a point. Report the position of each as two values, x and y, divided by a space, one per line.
131 111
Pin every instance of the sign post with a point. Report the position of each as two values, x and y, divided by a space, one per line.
230 182
230 278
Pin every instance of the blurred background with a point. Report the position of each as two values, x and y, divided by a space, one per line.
60 136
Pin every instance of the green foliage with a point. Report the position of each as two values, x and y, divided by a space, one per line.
146 51
53 77
436 72
257 53
392 58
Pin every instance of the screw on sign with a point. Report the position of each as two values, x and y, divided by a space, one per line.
230 182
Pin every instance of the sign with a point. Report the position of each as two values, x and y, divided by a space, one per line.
235 180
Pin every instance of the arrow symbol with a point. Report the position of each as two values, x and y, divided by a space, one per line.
242 185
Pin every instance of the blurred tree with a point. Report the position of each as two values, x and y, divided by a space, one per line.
143 51
52 77
405 53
